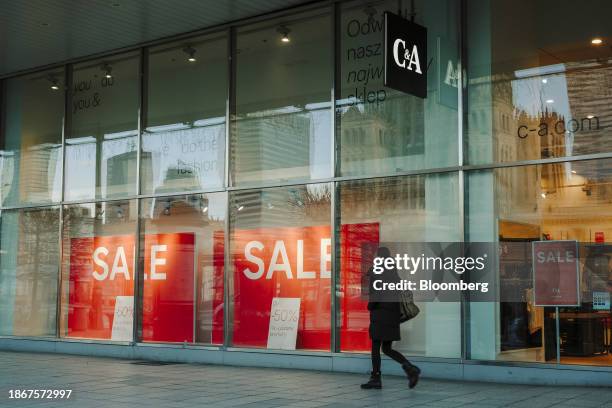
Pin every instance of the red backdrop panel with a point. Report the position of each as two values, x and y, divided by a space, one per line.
168 306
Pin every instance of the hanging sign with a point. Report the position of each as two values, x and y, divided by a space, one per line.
405 55
555 273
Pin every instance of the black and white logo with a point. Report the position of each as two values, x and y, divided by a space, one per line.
405 55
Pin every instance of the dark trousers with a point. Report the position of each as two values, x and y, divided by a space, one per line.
386 348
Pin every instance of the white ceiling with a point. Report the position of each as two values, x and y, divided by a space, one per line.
40 32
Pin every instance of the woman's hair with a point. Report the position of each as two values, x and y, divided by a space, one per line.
383 252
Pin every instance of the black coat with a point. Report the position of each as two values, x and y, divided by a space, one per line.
384 315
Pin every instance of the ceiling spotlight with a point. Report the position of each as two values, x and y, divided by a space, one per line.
204 210
544 80
190 51
370 12
107 71
550 100
590 116
596 41
543 195
284 32
54 82
573 171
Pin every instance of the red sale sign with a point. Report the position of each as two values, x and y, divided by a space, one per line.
555 273
296 263
102 268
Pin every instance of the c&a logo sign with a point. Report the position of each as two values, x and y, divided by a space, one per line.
405 52
410 57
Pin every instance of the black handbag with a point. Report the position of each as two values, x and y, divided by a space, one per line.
408 310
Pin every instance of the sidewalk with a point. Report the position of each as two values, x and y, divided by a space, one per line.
103 382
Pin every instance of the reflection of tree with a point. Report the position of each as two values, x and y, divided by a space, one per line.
37 269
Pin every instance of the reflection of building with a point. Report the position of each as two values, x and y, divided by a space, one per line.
40 170
382 136
589 91
274 142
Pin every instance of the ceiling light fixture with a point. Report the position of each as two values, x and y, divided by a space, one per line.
190 51
107 70
573 171
544 80
543 195
284 32
550 101
596 41
54 82
590 116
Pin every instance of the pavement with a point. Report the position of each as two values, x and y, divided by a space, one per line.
106 382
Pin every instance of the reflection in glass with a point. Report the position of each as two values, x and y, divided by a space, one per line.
101 148
31 139
399 209
282 127
538 95
184 140
183 242
280 241
385 131
98 270
553 202
29 267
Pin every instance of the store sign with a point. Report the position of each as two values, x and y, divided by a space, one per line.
101 284
405 55
284 317
295 262
555 273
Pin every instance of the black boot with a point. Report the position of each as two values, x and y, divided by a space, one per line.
374 382
412 372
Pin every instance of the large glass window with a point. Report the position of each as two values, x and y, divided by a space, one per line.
29 271
560 204
384 131
535 93
184 140
98 270
282 124
31 139
182 245
280 248
394 210
101 147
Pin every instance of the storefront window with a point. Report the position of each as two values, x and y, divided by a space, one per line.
280 246
535 93
184 140
31 139
101 146
400 209
282 124
29 271
98 270
385 131
560 204
182 245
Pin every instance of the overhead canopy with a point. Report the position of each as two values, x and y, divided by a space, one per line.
40 32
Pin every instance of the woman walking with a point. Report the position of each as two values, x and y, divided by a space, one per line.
385 328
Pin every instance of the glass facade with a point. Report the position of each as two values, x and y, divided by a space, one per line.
197 191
